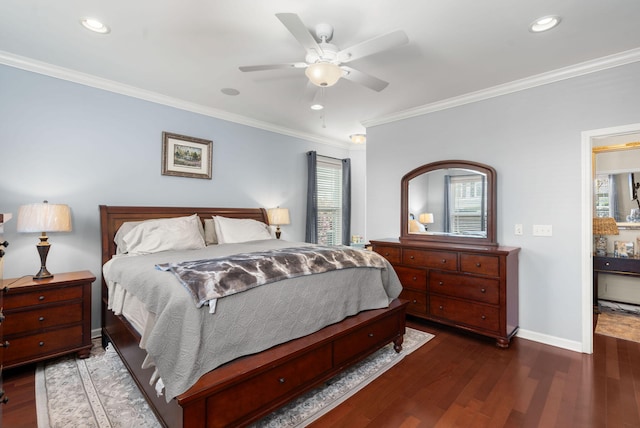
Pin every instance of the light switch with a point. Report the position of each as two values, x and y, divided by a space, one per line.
542 230
518 229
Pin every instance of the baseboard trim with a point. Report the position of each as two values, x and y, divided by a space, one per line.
558 342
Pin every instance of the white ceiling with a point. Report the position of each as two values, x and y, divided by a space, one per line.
183 52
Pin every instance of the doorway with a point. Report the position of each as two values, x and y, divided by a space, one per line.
591 139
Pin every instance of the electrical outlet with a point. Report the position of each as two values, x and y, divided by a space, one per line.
518 229
542 230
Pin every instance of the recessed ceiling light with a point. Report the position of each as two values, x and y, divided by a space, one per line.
94 25
317 106
544 24
358 138
230 91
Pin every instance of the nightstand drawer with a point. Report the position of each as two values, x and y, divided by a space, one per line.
14 299
35 346
42 318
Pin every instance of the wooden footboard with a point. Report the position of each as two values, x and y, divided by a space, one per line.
251 387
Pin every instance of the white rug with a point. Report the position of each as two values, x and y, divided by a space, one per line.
99 392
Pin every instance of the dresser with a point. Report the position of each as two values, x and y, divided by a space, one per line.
471 287
47 318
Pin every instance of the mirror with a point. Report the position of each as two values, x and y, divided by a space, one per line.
617 181
616 195
449 201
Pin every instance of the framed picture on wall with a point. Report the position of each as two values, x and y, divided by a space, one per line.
184 156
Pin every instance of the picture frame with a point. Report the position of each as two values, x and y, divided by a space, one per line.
623 249
184 156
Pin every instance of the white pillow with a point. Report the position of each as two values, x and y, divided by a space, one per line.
235 230
152 236
126 227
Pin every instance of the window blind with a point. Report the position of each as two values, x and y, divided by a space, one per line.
329 182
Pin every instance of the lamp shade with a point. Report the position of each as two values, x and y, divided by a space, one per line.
323 73
425 218
605 226
44 217
279 216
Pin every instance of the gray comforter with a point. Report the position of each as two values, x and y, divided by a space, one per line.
187 342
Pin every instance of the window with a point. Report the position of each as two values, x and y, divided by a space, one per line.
466 205
329 182
328 200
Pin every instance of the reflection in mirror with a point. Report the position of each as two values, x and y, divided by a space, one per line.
449 201
616 195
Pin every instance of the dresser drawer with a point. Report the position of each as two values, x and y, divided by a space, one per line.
14 299
41 344
41 318
390 253
431 259
476 263
415 279
269 386
417 301
467 313
485 290
362 339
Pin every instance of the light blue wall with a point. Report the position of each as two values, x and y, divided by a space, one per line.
82 146
533 139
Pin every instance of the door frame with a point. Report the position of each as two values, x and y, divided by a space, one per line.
588 142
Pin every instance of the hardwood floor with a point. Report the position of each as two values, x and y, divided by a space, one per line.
458 380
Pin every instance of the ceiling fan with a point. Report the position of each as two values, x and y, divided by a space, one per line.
324 62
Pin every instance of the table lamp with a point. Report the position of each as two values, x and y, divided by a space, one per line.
43 218
278 216
425 218
603 226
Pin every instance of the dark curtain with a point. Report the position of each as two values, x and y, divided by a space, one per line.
311 234
447 203
346 201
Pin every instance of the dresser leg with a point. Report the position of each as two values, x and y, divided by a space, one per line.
502 343
84 353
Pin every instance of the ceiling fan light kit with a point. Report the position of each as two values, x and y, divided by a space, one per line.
324 63
323 74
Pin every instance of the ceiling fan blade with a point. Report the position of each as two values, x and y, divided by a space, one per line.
364 79
374 45
272 66
296 27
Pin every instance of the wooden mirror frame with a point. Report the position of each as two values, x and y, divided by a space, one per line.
490 173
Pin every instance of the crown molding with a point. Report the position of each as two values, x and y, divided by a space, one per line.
569 72
85 79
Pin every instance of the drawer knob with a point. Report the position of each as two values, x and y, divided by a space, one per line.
411 257
441 307
415 278
41 298
3 398
41 344
444 261
4 345
483 317
370 334
281 380
482 290
440 283
415 301
386 254
478 264
41 319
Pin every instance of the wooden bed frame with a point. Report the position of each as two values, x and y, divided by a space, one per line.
248 388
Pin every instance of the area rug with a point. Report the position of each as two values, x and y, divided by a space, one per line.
99 392
618 324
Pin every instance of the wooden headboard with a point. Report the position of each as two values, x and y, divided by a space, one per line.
112 217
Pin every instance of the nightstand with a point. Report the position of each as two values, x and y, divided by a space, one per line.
47 318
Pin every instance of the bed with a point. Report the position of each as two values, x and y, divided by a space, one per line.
248 387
